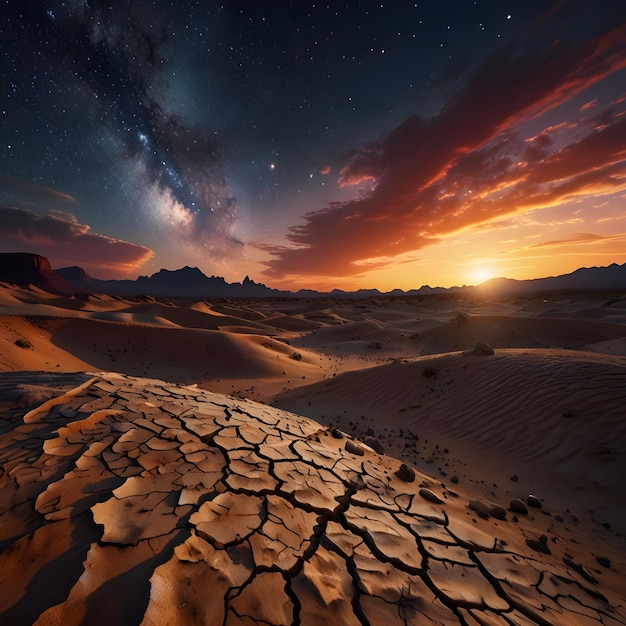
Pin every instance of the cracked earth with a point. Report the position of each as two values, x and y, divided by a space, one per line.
133 501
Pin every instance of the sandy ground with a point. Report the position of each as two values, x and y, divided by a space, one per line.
544 415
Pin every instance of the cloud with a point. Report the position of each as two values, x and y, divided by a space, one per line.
65 241
469 164
579 238
39 191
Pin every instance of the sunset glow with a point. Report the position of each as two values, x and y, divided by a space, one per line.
320 161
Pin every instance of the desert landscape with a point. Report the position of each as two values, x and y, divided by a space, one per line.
448 458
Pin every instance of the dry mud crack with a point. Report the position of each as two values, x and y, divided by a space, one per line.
132 501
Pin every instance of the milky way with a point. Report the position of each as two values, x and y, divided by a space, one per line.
299 140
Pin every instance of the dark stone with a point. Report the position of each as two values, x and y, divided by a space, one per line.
533 501
517 506
514 478
405 473
354 448
427 494
480 349
480 507
604 561
538 546
497 511
336 433
455 479
374 444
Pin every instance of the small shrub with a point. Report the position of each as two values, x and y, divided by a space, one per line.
22 343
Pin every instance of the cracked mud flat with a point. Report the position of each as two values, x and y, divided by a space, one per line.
132 501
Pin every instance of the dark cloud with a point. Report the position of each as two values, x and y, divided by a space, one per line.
65 241
467 165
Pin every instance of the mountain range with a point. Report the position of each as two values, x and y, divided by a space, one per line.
26 268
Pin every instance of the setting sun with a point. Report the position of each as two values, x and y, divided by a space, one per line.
480 274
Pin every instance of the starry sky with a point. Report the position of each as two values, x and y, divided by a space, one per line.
315 144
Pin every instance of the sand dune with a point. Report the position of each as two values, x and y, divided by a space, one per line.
150 503
557 417
542 416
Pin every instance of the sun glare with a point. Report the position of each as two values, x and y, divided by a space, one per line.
480 274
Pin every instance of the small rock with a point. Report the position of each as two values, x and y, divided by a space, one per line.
480 349
559 518
427 494
497 511
336 433
533 501
517 506
296 356
480 507
354 448
455 479
604 561
538 546
514 478
405 473
374 444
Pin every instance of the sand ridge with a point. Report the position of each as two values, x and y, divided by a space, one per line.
153 503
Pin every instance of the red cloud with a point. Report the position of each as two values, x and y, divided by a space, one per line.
465 166
65 241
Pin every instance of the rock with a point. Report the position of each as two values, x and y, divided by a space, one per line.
296 356
405 473
480 349
354 448
533 501
514 478
427 494
480 507
374 444
604 561
538 546
455 479
336 434
517 506
497 511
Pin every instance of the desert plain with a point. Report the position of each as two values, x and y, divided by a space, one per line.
448 459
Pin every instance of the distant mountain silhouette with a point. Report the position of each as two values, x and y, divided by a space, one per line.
26 268
184 282
611 277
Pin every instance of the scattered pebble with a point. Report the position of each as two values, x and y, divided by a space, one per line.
427 494
539 545
604 561
480 507
480 349
354 448
517 506
374 444
497 511
405 473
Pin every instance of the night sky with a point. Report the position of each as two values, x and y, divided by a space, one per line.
315 144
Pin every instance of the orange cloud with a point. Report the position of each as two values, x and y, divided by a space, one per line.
467 165
65 241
